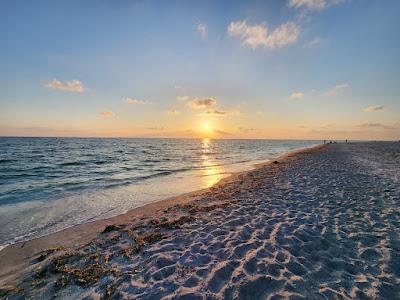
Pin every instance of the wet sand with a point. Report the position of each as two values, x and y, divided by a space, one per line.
321 223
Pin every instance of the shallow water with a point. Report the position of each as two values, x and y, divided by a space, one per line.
47 184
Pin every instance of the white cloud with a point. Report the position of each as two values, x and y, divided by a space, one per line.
339 88
374 108
314 42
203 102
309 4
130 100
201 30
313 4
182 98
107 114
297 95
73 86
259 36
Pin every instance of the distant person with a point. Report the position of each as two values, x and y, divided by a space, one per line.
325 141
346 141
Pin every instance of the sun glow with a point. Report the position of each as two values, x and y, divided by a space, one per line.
206 129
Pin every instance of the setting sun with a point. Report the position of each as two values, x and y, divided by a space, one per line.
206 129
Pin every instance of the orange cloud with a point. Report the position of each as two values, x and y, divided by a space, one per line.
297 95
107 114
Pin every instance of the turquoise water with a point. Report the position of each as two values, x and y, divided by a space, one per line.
48 184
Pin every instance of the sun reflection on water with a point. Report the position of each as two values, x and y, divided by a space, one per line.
211 173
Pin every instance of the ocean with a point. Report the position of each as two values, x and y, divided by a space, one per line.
48 184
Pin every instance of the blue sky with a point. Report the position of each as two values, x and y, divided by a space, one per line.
274 69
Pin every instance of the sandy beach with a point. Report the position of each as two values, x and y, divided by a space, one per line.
322 223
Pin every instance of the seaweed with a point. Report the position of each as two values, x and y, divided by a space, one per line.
174 224
110 228
44 254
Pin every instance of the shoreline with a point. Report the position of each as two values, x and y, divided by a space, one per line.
33 214
14 258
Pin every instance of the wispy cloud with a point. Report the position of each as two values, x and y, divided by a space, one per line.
309 4
221 132
374 108
214 113
182 98
203 102
107 114
259 36
134 101
73 86
376 125
173 112
314 42
316 5
221 113
155 128
339 88
260 113
297 95
245 129
201 30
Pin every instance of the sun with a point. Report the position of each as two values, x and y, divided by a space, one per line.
206 129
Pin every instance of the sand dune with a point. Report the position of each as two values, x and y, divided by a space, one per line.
317 225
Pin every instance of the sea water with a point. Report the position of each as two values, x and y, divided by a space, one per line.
48 184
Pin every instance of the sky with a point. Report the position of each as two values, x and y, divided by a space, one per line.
287 69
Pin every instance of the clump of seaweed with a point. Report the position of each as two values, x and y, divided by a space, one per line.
174 224
111 227
88 272
5 292
108 292
197 209
44 254
147 238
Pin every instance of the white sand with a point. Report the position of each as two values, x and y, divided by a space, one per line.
320 224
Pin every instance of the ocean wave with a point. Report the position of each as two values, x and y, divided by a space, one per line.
73 163
62 168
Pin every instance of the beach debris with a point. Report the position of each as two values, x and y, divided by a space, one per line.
110 228
174 224
5 292
275 162
74 267
46 253
109 291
